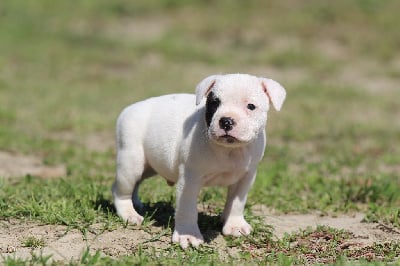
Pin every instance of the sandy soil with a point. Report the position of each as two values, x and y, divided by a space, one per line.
365 233
65 245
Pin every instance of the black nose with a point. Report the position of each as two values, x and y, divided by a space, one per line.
226 123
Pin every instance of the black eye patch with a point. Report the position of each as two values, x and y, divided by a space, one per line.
212 105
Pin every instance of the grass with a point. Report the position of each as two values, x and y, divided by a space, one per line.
34 242
68 69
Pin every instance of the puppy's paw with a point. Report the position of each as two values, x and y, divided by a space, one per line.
187 235
236 226
127 212
134 219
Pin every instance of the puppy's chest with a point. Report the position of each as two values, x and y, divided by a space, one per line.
227 170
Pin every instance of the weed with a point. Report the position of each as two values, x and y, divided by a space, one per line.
33 242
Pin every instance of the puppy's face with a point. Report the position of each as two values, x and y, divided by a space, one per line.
236 112
236 107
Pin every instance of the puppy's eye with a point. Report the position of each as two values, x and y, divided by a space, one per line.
251 106
215 101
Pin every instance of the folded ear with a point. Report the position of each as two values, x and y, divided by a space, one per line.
275 92
204 87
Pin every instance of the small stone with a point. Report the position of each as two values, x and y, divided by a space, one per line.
11 249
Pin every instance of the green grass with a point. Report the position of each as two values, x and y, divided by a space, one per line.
68 69
34 242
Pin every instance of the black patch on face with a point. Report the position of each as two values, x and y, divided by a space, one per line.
212 105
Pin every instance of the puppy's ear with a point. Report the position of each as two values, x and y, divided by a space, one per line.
275 92
204 87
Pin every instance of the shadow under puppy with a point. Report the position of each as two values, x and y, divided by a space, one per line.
213 138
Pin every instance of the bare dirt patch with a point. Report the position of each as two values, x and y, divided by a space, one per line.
66 245
17 165
364 233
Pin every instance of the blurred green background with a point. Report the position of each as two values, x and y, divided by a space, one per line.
67 68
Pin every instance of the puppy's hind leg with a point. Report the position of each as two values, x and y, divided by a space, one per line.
130 168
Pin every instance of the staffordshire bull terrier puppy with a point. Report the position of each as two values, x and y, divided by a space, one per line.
213 138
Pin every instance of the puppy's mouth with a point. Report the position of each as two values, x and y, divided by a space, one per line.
228 139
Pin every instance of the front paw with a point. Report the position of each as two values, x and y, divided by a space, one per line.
187 235
236 226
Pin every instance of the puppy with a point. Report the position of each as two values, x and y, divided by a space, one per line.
214 138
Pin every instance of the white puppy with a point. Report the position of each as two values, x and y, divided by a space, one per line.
214 138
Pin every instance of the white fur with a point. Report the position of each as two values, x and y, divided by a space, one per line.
168 135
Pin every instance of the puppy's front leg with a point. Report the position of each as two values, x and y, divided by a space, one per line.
187 231
234 222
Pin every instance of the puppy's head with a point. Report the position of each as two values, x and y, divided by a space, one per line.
236 106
